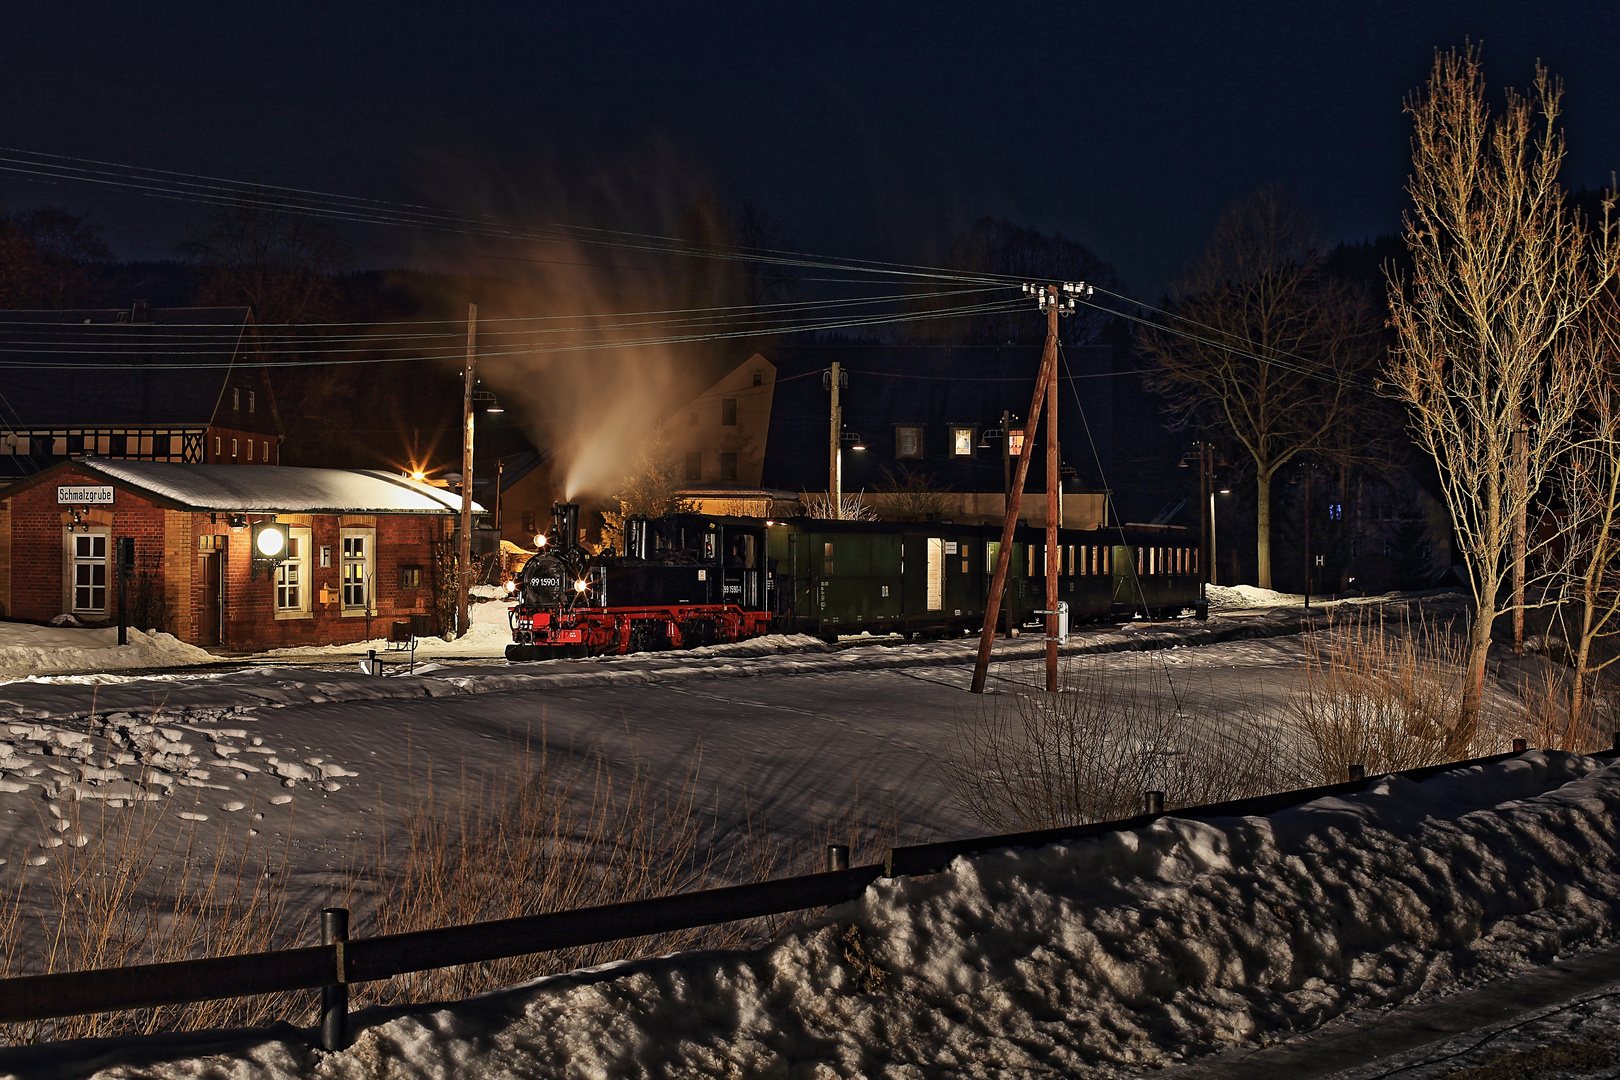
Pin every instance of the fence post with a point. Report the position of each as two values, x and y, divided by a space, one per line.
1356 772
335 997
837 857
1520 746
1153 802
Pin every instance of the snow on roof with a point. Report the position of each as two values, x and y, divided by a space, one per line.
278 488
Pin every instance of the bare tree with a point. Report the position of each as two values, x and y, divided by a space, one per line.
275 261
1487 357
1584 554
649 490
65 247
1263 345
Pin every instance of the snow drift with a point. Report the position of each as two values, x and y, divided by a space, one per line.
1133 950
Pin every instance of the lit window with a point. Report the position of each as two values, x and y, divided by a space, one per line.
292 574
961 442
410 577
90 573
827 559
356 569
1015 442
250 401
216 446
236 398
908 442
250 449
233 448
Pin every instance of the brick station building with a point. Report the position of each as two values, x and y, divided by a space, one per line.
358 548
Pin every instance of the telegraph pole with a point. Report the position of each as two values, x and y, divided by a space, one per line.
1054 507
464 573
1045 388
835 446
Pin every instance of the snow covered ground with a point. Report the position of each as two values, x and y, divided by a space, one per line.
1108 957
27 650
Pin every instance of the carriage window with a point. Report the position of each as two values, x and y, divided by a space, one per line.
1071 560
827 559
936 574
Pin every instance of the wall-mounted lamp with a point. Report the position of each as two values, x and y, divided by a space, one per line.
854 439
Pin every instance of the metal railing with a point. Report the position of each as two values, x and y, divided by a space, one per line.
340 962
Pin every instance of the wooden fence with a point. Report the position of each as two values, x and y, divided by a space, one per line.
337 964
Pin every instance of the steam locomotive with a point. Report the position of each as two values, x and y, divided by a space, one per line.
689 580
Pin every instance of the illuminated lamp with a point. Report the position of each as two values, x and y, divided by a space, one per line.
579 586
418 475
540 540
511 586
270 541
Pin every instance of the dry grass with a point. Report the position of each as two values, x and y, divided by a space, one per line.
523 849
1380 697
1034 760
122 889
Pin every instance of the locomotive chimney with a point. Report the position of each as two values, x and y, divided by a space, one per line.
565 525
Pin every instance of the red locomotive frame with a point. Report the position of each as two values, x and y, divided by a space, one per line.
594 631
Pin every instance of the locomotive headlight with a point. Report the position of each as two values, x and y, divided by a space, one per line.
511 586
579 586
540 540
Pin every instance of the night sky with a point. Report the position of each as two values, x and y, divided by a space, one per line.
865 130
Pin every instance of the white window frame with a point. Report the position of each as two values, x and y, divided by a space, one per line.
70 564
295 572
900 432
963 448
368 568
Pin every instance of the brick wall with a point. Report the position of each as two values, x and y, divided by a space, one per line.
400 540
31 526
5 557
38 544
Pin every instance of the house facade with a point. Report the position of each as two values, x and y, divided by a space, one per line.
143 384
354 554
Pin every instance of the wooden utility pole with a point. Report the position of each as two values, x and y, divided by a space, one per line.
464 575
1054 502
835 446
1045 387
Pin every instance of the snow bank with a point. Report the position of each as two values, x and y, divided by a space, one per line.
27 650
1130 951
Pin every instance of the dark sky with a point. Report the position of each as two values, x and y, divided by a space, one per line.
873 130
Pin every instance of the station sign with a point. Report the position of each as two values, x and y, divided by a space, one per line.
94 495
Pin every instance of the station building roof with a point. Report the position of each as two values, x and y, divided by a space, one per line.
261 489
